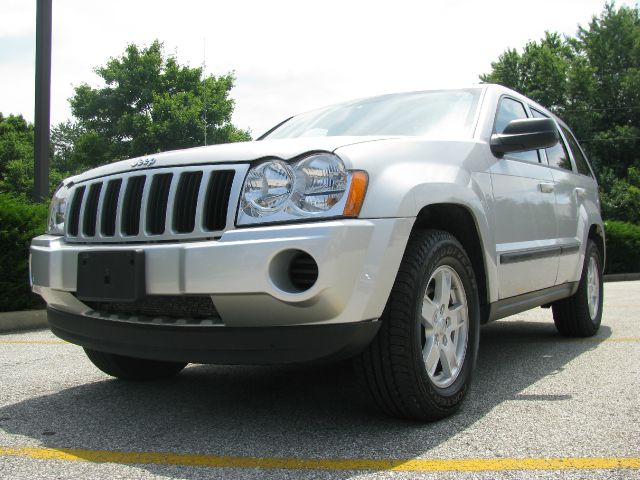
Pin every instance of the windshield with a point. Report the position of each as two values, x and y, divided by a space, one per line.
437 112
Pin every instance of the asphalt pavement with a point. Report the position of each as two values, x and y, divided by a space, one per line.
542 406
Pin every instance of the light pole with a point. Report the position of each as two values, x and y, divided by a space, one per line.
43 101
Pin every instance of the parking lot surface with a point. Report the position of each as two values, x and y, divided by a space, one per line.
542 406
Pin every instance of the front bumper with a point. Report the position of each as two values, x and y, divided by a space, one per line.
358 261
215 344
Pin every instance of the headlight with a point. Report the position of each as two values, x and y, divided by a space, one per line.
267 188
316 186
321 181
57 210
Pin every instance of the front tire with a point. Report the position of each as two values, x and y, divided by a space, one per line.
130 368
420 364
580 315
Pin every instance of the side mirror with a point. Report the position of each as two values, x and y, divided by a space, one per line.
525 134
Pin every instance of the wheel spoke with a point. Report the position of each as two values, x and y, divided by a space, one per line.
448 360
431 357
428 312
443 288
593 288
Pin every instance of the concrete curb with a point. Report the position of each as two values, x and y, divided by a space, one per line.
621 277
24 320
37 319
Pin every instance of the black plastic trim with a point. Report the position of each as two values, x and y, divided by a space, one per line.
132 204
216 203
110 207
74 211
514 257
520 303
90 216
215 343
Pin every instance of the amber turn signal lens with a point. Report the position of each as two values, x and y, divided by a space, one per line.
359 180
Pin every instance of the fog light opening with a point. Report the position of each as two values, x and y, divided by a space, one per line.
293 271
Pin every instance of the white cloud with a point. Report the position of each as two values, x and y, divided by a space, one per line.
289 56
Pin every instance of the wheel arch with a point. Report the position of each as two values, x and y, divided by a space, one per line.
596 233
458 220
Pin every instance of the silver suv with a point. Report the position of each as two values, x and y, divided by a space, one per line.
386 229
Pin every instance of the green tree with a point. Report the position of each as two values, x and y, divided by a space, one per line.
16 157
149 103
16 140
541 70
592 81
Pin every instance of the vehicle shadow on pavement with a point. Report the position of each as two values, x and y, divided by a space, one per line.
301 412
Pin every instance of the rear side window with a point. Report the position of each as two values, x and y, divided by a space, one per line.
578 156
558 156
508 110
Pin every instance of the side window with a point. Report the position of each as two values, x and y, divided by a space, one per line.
508 110
578 156
557 155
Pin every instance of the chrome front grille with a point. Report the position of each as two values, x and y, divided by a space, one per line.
154 205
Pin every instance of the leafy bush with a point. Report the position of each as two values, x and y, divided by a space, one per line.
623 247
20 221
620 196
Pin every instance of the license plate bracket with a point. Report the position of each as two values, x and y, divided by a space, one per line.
111 276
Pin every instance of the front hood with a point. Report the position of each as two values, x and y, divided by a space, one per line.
284 149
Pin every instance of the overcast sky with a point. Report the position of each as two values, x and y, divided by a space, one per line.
289 56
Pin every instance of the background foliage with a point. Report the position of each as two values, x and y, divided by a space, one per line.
21 221
592 82
623 247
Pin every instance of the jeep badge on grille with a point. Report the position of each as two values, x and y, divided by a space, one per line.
143 162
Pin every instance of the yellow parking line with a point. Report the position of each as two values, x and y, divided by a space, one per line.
336 464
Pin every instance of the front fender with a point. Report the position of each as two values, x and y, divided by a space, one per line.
406 175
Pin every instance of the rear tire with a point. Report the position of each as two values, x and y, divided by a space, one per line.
419 365
130 368
580 315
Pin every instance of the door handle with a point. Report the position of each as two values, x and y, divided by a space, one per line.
546 187
580 192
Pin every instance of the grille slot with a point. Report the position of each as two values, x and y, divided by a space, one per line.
303 271
157 203
217 199
184 212
132 204
91 210
190 309
110 207
74 211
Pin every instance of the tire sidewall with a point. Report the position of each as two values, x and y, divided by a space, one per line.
451 254
593 252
